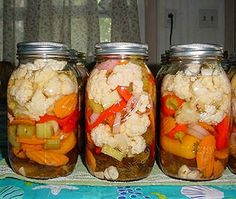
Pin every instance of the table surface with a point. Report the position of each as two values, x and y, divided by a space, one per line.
14 187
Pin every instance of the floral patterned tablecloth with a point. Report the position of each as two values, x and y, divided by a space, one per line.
83 186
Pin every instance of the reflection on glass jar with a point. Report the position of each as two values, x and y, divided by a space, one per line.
120 113
232 76
195 113
43 111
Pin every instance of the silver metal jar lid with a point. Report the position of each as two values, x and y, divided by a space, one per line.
121 48
196 49
42 48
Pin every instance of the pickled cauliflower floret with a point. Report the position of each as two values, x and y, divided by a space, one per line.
137 145
67 85
123 75
102 135
135 125
192 69
39 104
111 173
52 87
56 65
41 77
187 114
21 91
206 92
179 84
212 115
98 88
143 103
20 72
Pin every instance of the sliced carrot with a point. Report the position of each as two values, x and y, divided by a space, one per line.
26 121
30 141
167 124
205 155
65 105
208 127
47 158
218 168
31 147
67 144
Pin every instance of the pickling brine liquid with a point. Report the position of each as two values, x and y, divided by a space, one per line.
43 114
120 119
195 119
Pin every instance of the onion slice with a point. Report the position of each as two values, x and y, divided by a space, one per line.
116 125
108 65
197 131
94 117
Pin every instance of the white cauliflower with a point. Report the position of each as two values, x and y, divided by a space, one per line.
143 103
20 72
192 69
211 115
205 91
97 86
102 135
38 105
123 75
187 114
110 99
52 87
21 91
122 142
68 86
38 64
56 64
179 84
135 125
137 145
111 173
41 77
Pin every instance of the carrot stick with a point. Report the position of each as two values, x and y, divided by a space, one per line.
23 121
30 141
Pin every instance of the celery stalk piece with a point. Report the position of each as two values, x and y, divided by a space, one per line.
25 130
108 150
44 130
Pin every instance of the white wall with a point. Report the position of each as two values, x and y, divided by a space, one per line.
187 28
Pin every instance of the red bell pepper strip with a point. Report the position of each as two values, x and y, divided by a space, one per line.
178 132
47 118
115 108
170 103
124 93
68 124
222 133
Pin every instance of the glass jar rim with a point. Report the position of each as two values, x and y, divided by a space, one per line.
121 48
42 48
196 49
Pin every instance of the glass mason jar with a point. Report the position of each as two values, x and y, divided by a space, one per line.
43 111
120 113
78 59
194 113
232 77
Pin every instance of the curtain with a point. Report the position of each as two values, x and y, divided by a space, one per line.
73 22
